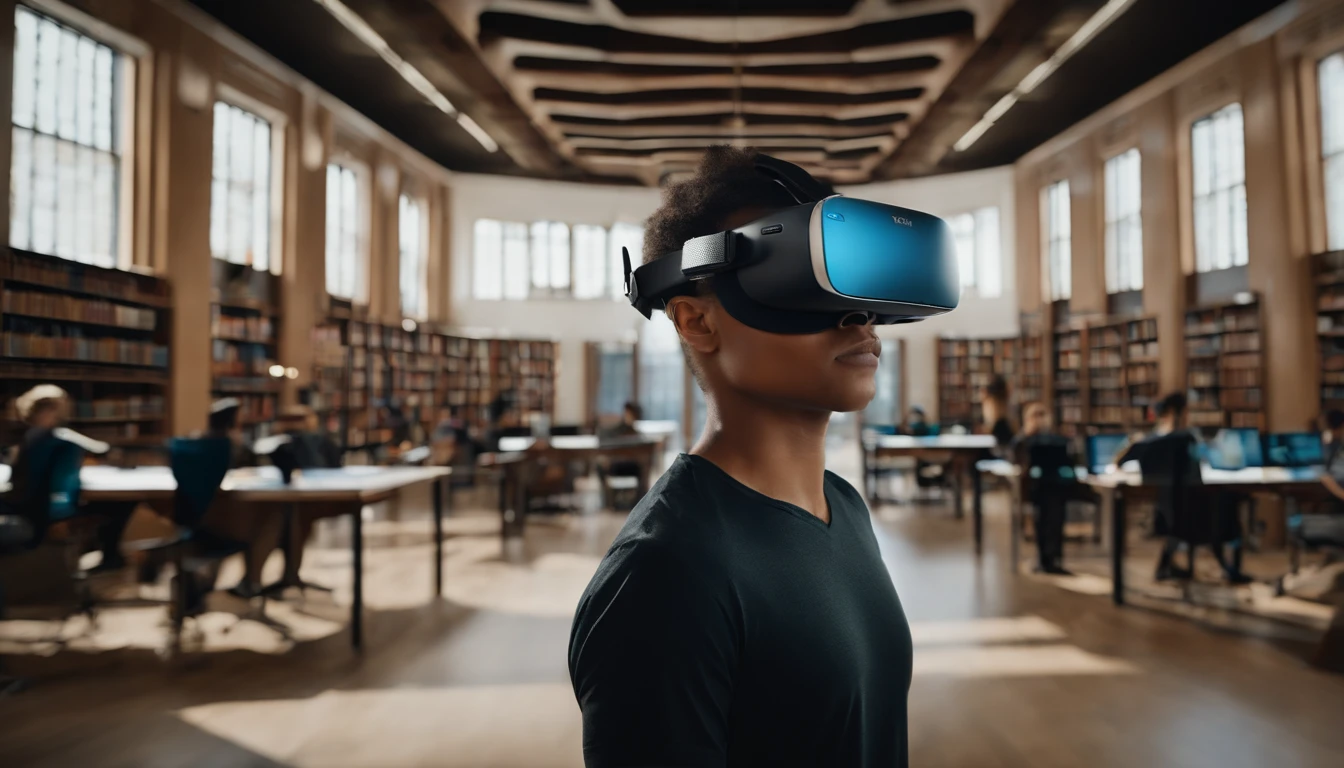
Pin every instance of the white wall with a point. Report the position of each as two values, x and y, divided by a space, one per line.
572 323
945 196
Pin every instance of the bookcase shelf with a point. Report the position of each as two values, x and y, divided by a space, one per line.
101 334
1329 268
243 330
1142 381
965 367
1225 366
1070 381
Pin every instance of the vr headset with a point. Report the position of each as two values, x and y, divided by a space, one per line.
826 262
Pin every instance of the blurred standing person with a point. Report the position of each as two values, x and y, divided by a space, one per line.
994 411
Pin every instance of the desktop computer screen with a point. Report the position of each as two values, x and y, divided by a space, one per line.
1235 449
1294 449
1102 450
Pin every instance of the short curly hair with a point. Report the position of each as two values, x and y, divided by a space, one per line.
725 182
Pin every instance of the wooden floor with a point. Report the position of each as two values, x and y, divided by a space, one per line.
1010 671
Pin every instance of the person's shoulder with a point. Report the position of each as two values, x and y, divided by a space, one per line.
844 490
672 509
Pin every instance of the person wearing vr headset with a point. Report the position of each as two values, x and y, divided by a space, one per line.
743 615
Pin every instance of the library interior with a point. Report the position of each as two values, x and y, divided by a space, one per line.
329 437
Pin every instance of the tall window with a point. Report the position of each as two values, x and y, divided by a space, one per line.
661 373
487 260
240 188
1219 153
590 261
1124 224
1330 77
615 378
978 253
515 260
550 257
413 259
1056 233
346 248
65 168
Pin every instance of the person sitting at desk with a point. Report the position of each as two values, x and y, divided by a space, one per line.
994 409
1170 433
309 448
45 409
915 425
1051 494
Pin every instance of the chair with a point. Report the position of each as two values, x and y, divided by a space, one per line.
1049 484
1186 511
199 466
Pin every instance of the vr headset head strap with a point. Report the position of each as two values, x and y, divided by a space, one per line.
800 184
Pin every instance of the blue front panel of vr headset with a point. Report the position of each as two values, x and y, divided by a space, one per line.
885 253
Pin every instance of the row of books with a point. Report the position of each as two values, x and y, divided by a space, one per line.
99 350
129 407
77 277
57 306
252 328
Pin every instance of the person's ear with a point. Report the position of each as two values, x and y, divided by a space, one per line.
695 323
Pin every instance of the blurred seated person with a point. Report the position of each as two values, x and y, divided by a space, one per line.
44 410
994 410
308 448
1333 477
915 423
631 413
1048 484
258 526
1171 455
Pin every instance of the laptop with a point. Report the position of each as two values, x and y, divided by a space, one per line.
1234 449
1294 449
1102 451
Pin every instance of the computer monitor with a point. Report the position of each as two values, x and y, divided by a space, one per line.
1235 449
1102 451
1294 449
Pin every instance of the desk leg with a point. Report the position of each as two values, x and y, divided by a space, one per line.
357 602
977 510
958 503
1015 527
1118 548
438 537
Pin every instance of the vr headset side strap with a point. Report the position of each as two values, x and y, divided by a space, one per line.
649 286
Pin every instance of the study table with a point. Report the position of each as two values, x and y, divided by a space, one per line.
960 451
1118 486
348 488
520 461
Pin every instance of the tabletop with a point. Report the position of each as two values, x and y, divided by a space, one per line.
933 442
576 442
259 484
1116 477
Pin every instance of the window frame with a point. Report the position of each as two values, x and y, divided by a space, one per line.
421 205
611 272
1111 260
1194 197
1049 241
981 255
130 54
278 124
362 222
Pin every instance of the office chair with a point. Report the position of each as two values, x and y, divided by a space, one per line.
1186 511
1049 483
199 466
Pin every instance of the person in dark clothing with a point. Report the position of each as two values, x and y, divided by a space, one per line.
915 425
1155 455
1048 483
45 409
308 448
743 615
994 409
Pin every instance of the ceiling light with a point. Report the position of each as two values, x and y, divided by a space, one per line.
1084 34
417 80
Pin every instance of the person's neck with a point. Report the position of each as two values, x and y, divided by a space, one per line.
775 450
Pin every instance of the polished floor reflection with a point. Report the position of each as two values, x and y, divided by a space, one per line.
1010 672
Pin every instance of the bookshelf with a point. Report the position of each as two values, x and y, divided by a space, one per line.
1069 381
1108 402
965 367
1225 366
244 343
100 334
1142 382
1329 270
1031 368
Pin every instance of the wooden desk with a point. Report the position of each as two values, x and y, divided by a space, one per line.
522 458
1119 488
349 488
961 451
